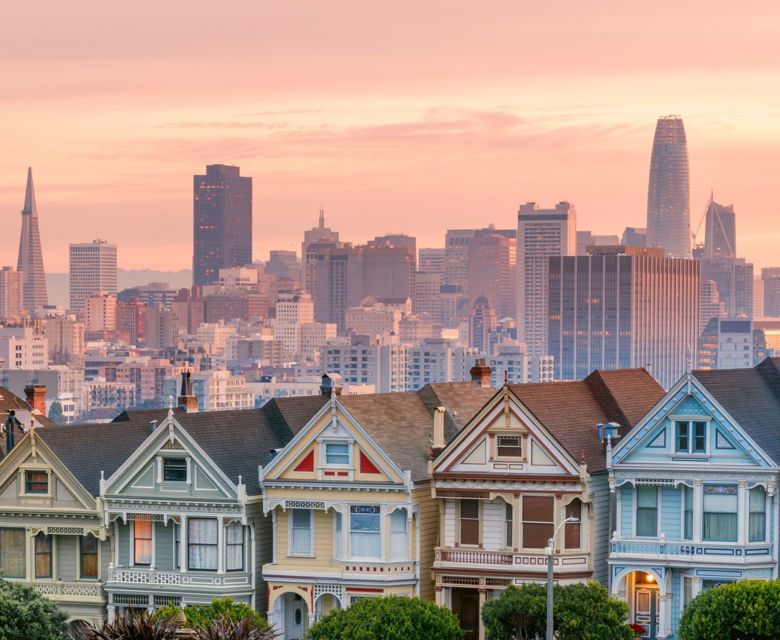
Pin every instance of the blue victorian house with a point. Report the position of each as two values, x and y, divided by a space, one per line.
694 493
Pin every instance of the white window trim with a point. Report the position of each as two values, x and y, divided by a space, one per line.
23 481
659 511
131 556
690 419
383 539
323 445
290 552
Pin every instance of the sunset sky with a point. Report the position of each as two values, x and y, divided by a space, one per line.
398 117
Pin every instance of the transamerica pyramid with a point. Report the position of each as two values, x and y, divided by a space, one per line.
30 255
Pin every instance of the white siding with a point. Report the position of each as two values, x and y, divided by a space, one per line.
449 523
493 517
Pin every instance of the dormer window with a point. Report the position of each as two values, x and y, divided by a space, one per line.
337 454
36 482
175 470
509 446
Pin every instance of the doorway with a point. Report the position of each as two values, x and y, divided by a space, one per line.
465 605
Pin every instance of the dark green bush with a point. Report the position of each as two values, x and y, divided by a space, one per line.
389 618
745 610
26 615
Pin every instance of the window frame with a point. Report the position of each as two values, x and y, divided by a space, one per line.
510 456
291 530
687 515
477 519
23 551
354 510
191 544
168 460
83 555
337 465
733 491
27 482
750 513
229 544
637 508
691 424
509 525
571 526
135 539
525 521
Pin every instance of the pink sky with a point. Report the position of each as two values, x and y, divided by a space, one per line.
405 117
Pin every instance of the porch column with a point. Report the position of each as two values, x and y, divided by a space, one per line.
30 555
665 614
698 514
111 613
482 600
183 545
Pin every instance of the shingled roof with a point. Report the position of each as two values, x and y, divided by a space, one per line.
570 411
752 398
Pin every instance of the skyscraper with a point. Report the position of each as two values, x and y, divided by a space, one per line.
11 294
771 278
491 273
92 269
720 236
668 207
222 222
317 235
541 233
30 261
620 308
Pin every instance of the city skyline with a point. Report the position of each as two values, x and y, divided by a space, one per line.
470 130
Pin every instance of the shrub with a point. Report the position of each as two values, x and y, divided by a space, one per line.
388 618
745 610
580 612
226 629
26 615
131 626
202 616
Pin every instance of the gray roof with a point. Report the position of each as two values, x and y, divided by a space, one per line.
752 398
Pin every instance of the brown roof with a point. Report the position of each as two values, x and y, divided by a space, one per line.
24 417
570 411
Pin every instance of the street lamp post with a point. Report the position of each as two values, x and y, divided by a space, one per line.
549 552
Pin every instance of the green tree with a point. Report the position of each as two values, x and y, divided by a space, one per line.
26 615
389 618
745 610
201 616
55 413
580 612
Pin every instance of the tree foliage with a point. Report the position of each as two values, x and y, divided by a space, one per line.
580 612
201 616
55 413
388 618
26 615
131 626
745 610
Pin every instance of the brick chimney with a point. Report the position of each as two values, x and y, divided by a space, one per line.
187 401
480 373
36 398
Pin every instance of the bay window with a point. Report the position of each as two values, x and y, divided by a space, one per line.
142 542
647 511
43 545
234 547
399 541
202 544
538 521
300 532
365 537
469 522
88 557
720 513
757 515
12 553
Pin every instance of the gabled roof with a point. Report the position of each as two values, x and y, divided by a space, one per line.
463 400
752 398
570 411
237 441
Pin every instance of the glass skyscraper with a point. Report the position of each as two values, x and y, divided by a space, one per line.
222 209
668 201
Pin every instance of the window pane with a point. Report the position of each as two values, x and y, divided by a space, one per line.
43 556
202 534
682 436
757 519
301 531
36 482
175 470
469 522
699 437
688 524
469 509
509 516
89 557
338 536
536 535
509 446
398 537
234 539
142 542
573 529
12 553
720 513
538 508
647 511
337 454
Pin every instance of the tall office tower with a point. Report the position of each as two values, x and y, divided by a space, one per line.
620 308
318 235
284 265
293 310
771 278
541 233
388 272
65 337
456 252
92 269
431 260
427 295
11 294
734 279
482 321
492 265
668 206
30 261
720 231
634 237
223 222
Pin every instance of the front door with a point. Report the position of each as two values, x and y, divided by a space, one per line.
294 617
646 611
465 605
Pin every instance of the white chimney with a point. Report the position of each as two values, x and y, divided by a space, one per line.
438 428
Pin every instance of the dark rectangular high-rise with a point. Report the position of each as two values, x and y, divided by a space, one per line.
620 308
222 208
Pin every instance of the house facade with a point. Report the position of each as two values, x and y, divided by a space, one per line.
350 500
694 487
526 462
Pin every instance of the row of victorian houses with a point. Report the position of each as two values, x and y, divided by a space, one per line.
450 493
